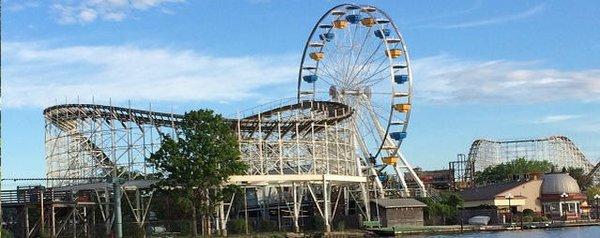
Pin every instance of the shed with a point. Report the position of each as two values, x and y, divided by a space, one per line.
398 212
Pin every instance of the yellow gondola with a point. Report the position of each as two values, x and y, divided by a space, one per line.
368 22
402 107
394 53
340 24
391 160
317 56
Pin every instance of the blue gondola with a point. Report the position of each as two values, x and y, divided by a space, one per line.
353 19
400 79
310 78
382 32
327 36
398 135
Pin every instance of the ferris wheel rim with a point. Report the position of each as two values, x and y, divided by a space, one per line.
405 56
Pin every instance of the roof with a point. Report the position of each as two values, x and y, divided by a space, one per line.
559 183
398 202
488 192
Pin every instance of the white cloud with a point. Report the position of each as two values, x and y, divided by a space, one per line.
85 11
556 118
36 75
446 79
491 21
20 5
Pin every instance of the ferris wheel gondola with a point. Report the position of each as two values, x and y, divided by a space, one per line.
355 55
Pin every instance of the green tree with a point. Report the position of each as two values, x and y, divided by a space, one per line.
579 175
195 165
443 208
591 192
508 170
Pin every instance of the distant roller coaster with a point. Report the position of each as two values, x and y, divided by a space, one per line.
558 150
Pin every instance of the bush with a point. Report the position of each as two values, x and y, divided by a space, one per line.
340 225
267 225
540 218
132 230
6 234
528 212
237 226
527 219
318 223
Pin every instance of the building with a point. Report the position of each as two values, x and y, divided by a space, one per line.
438 179
554 195
561 197
398 212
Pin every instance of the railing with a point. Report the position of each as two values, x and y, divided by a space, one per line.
34 196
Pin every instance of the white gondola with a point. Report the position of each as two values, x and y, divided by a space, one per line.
393 41
399 66
315 44
338 13
382 21
368 9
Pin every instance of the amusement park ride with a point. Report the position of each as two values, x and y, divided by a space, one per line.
336 142
332 144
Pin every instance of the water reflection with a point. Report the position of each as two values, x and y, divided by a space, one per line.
573 232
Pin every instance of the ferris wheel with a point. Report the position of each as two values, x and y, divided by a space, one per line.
355 55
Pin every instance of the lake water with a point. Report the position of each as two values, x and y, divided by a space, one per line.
572 232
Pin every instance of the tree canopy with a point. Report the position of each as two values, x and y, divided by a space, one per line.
442 209
195 165
508 170
579 175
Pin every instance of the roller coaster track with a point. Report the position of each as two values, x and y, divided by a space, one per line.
294 120
63 115
66 112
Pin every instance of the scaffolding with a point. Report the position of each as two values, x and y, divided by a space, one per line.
303 152
99 149
305 149
463 170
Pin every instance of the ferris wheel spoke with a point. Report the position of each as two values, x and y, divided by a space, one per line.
368 129
333 75
377 123
368 59
365 80
370 82
359 53
368 122
351 51
365 68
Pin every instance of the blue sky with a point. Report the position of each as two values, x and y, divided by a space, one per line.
483 69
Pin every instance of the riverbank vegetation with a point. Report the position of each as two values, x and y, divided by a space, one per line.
442 209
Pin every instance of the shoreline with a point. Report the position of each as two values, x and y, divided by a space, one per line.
453 229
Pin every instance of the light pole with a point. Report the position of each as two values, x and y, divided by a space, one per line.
509 196
563 198
597 197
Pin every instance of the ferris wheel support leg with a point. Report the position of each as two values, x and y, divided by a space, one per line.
296 207
413 174
366 201
402 179
378 183
326 205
